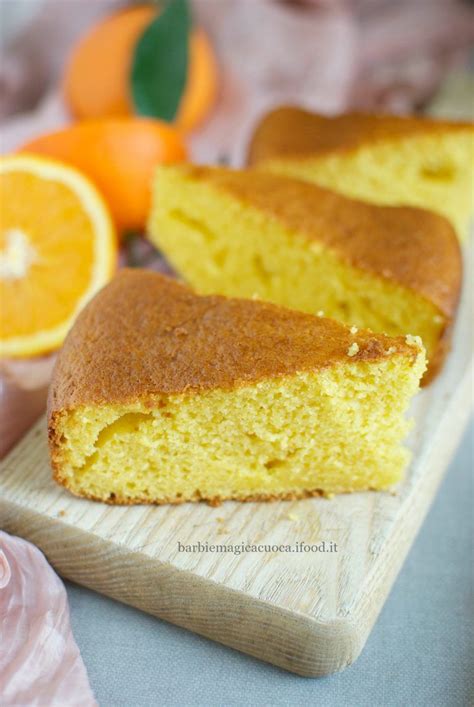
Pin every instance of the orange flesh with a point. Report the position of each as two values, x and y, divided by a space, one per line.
57 275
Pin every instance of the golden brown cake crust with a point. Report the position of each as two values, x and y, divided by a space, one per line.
415 248
293 132
146 335
116 500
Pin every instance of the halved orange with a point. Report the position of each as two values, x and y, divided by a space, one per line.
57 249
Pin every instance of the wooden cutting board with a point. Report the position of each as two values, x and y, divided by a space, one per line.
307 611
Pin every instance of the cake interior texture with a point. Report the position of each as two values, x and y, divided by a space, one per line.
160 395
335 430
432 171
219 243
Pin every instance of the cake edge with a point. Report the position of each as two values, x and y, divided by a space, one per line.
415 126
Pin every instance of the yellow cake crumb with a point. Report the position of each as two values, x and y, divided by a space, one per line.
263 402
353 349
429 167
239 233
414 340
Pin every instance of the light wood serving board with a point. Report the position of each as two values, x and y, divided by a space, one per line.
308 612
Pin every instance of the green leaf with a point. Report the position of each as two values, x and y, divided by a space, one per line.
160 63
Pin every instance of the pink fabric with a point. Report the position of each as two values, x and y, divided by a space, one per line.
406 48
304 54
23 393
40 663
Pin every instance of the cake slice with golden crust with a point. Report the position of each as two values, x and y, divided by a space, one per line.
243 233
163 396
385 159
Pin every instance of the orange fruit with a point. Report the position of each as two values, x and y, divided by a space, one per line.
119 155
97 77
57 248
201 87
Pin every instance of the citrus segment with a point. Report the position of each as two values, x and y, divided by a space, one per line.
57 248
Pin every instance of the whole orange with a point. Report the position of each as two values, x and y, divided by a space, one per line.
97 77
120 156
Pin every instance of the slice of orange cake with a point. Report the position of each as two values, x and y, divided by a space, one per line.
247 233
163 396
385 159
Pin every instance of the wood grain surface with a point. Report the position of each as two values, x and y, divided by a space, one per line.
308 612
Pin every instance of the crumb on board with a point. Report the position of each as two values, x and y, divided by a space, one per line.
292 516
